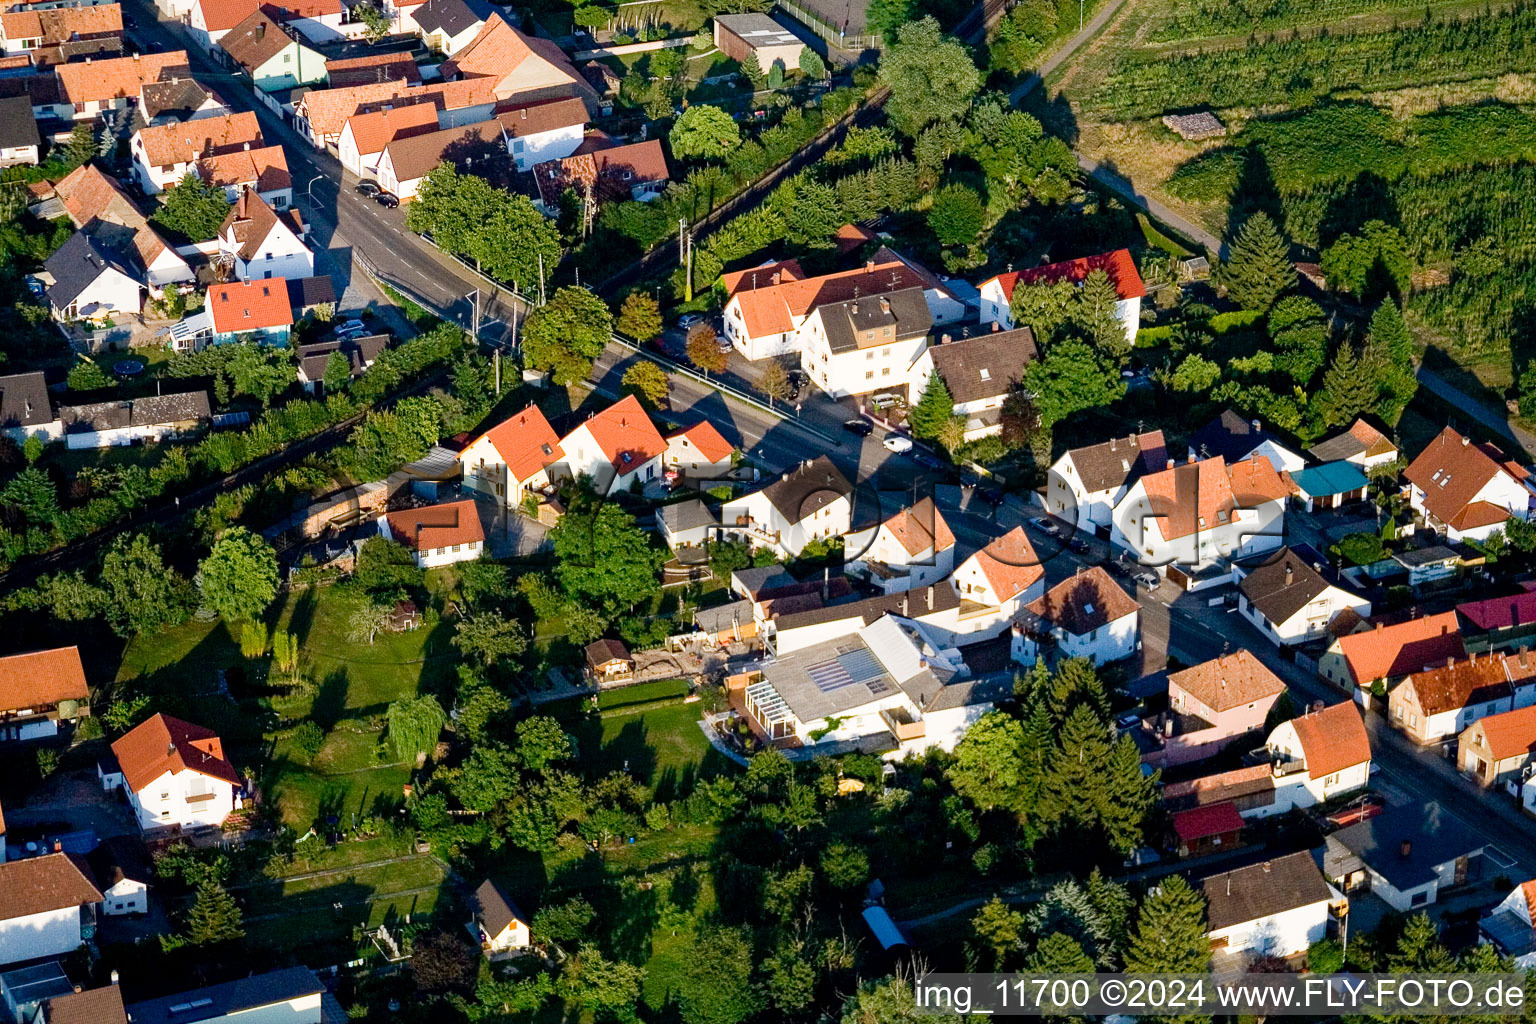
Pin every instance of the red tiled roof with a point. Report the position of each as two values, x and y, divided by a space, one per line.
1332 739
1376 443
181 143
1222 786
1190 496
38 885
1206 821
249 306
1454 686
524 119
1010 564
706 440
93 1006
164 744
850 236
1119 265
526 443
62 24
788 270
327 110
1501 612
1228 681
117 78
266 169
1087 601
626 434
1509 734
1387 652
768 308
1451 471
610 171
374 130
250 221
921 527
372 67
40 678
437 526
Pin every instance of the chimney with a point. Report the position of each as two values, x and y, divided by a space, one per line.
903 602
1255 425
869 266
525 113
1317 706
1168 725
996 326
1171 463
1380 627
1287 573
778 275
1406 849
930 608
170 748
261 30
58 847
1466 441
885 304
114 976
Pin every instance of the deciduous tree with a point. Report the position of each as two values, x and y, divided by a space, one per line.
192 208
490 638
144 594
957 215
239 577
639 317
931 76
1071 378
647 382
704 350
566 334
414 725
773 381
717 986
603 558
704 132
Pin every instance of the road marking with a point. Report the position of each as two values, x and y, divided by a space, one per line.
1499 857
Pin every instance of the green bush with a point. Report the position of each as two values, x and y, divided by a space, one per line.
307 740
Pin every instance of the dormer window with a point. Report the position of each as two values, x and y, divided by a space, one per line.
986 374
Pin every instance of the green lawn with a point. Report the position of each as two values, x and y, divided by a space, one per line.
661 744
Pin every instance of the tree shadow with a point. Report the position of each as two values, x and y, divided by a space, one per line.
1255 190
1367 198
630 751
330 702
303 617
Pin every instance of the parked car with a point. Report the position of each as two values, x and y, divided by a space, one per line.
387 201
368 187
861 427
1148 579
1078 545
884 400
897 443
990 495
688 320
1363 809
723 343
927 461
1045 526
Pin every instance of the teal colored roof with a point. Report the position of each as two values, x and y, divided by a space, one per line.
1330 478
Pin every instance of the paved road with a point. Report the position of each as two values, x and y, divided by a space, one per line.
1493 419
1032 81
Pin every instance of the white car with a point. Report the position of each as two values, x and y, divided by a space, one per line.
898 444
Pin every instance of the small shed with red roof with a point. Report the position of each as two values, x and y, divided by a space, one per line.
1206 829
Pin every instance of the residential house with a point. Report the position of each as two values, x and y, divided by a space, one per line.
91 1006
174 774
1466 490
271 54
1498 623
47 907
996 582
1206 829
98 206
604 80
495 923
88 90
1330 485
359 354
258 309
165 154
447 26
913 547
306 294
263 171
698 452
811 502
979 372
863 346
122 871
725 624
1433 705
151 419
292 995
767 308
1405 855
740 36
73 51
1496 749
1210 706
512 458
322 114
365 135
1320 756
1362 444
260 243
1277 907
92 280
544 130
39 85
26 410
39 688
1429 566
18 132
1290 600
519 65
1234 437
1378 657
212 22
1250 790
370 68
1199 515
1509 927
686 524
25 28
1085 484
616 448
997 292
604 171
406 160
608 661
178 99
1089 615
813 612
889 684
437 534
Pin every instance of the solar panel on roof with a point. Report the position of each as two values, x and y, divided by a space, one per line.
829 676
861 665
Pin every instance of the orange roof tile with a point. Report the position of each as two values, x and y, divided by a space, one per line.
524 119
1458 684
1207 820
88 194
768 308
788 270
163 744
117 78
372 67
1509 734
40 678
37 885
169 144
1228 681
265 169
249 306
516 63
372 131
1010 564
707 441
1332 739
62 24
1191 496
1118 264
1450 472
327 110
1387 652
1376 443
526 443
437 526
626 434
1254 481
921 527
1084 602
251 220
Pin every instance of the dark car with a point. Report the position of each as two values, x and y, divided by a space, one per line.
927 461
1078 545
387 201
861 427
990 495
368 187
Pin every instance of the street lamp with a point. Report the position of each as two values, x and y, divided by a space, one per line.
309 190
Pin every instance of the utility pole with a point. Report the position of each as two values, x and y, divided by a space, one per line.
541 279
474 319
682 225
496 362
1079 15
688 271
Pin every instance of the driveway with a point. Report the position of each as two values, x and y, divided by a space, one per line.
70 802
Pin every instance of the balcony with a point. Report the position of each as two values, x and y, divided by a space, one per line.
903 724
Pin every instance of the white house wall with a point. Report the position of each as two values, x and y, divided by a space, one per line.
1106 644
1284 934
543 146
52 933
